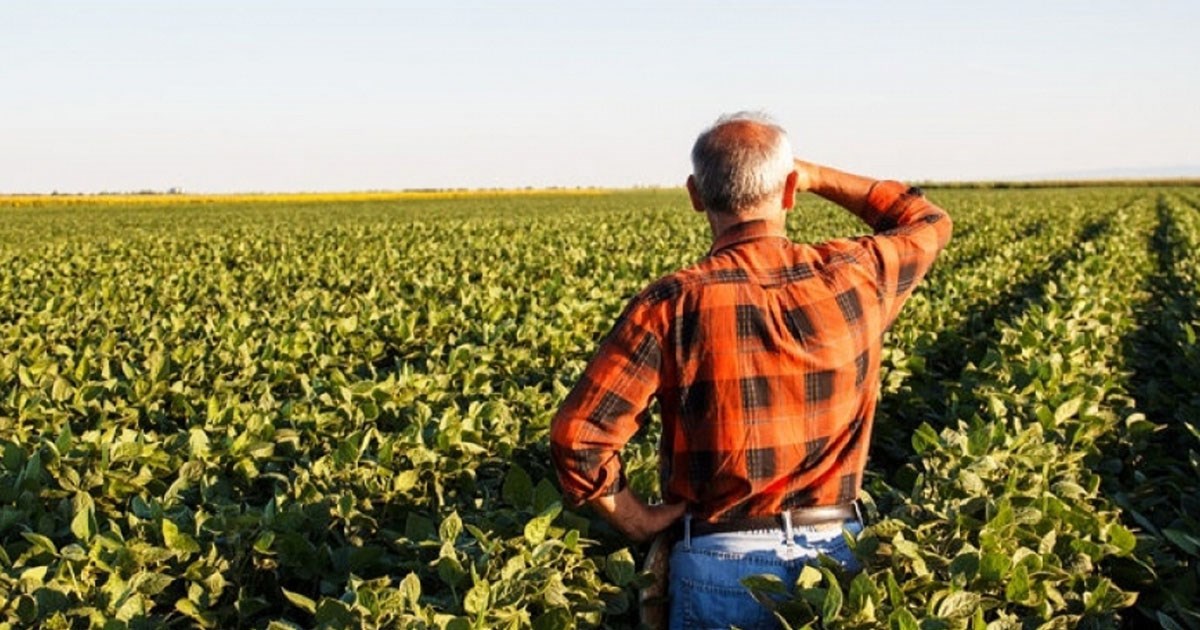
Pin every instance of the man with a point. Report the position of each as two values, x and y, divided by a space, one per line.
764 357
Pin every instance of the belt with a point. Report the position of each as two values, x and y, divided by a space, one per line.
801 517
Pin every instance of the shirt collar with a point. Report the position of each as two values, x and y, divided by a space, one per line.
743 232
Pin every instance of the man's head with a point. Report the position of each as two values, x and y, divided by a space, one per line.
740 165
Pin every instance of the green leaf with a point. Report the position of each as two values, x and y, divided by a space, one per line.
300 601
456 623
620 567
1017 589
347 324
405 480
149 583
555 592
83 524
910 550
1097 598
1067 409
1047 543
538 526
924 438
554 619
478 598
198 442
27 610
958 605
906 548
61 390
765 583
190 609
964 566
618 604
518 487
994 567
809 577
418 528
895 593
862 595
66 438
478 534
1121 538
410 586
832 606
178 541
977 620
40 542
450 528
545 495
902 620
263 543
335 613
450 570
33 577
1183 540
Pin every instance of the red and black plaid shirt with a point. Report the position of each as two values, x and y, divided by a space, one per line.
764 357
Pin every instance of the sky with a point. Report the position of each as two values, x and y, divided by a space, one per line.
215 96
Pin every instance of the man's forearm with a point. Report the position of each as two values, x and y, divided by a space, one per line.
845 189
632 517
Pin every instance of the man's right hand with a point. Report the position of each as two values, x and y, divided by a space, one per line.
632 517
807 176
845 189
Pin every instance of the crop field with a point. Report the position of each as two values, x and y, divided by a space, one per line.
333 412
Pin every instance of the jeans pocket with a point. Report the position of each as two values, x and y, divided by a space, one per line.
711 605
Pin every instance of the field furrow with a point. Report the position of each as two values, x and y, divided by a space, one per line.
1004 522
953 321
1153 462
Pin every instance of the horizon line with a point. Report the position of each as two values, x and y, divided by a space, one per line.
1032 181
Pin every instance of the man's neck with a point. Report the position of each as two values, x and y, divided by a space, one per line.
749 229
774 223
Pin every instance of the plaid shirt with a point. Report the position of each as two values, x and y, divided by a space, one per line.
764 358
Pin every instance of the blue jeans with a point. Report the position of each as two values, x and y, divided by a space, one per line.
706 571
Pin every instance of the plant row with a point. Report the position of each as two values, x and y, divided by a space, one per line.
1005 524
1158 480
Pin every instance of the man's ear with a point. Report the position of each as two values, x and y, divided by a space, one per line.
697 205
789 191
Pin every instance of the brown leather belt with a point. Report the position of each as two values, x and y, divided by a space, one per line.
801 517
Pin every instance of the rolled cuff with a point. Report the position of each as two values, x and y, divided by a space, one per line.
885 200
580 485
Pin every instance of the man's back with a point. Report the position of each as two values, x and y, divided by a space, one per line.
764 357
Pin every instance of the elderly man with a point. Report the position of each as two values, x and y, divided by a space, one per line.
764 357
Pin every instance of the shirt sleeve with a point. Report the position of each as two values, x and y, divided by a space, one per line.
910 232
606 407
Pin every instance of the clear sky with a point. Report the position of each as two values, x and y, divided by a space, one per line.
287 96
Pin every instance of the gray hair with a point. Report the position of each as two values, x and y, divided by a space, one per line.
736 170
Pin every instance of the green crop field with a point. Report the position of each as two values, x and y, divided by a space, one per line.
334 412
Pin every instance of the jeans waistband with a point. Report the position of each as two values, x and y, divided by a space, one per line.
807 516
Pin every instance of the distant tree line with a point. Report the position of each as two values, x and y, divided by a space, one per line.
174 190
